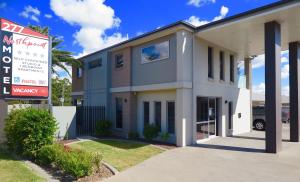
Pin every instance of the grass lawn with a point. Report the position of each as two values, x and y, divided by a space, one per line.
13 171
118 153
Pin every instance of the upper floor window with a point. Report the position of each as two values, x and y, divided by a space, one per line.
222 65
210 62
231 68
96 63
79 72
119 61
156 52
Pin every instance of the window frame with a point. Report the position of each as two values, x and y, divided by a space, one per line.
118 66
222 66
91 66
160 114
119 124
148 114
231 72
155 60
79 72
210 62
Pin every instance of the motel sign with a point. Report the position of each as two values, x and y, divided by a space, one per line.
24 62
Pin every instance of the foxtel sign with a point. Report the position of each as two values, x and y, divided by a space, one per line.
24 62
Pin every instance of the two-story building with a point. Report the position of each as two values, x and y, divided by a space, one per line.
185 79
185 85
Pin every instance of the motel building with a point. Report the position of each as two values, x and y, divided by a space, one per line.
185 79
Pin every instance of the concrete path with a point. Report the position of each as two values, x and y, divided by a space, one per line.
232 159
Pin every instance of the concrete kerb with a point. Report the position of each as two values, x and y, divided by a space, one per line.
39 171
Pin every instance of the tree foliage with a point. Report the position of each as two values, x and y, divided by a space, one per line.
61 88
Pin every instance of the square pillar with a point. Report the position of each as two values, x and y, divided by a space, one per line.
273 87
248 73
294 57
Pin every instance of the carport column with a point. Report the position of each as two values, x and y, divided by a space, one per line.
248 73
273 87
294 56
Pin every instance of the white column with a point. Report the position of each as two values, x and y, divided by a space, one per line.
184 92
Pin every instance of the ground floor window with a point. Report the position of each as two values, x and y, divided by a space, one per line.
119 113
146 113
171 117
157 114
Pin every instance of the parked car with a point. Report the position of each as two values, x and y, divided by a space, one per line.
259 118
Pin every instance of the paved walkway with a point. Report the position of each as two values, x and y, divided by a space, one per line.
232 159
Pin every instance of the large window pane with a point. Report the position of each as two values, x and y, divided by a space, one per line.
157 110
171 117
119 62
155 52
119 113
146 113
202 109
202 131
96 63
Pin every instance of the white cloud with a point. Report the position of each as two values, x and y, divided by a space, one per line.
284 59
285 90
199 3
223 12
259 89
196 21
31 13
140 33
258 61
285 71
3 5
61 73
97 19
48 16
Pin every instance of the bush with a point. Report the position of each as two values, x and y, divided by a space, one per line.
103 128
74 162
150 131
165 136
133 135
29 129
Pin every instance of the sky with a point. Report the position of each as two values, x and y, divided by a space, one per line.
90 25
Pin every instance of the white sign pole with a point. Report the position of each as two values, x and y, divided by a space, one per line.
50 74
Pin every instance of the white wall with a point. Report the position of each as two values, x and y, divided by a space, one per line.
151 97
224 90
66 119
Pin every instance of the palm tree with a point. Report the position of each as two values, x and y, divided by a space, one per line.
60 58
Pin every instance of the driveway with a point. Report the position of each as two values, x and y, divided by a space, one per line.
239 158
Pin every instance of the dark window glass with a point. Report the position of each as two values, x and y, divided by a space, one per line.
202 109
95 63
231 68
146 113
79 72
157 110
222 65
119 113
210 62
119 61
171 117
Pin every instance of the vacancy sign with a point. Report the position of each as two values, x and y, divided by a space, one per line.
24 66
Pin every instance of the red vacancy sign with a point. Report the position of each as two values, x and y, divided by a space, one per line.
24 62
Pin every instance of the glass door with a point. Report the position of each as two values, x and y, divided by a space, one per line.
206 117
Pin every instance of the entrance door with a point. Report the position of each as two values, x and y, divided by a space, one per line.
206 117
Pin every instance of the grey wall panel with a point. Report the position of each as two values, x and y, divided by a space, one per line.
162 71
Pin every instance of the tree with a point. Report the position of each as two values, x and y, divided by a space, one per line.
60 58
61 92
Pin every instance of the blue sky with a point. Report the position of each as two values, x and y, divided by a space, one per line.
90 25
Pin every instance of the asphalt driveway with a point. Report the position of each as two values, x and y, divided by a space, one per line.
239 158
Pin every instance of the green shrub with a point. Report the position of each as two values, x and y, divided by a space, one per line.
133 135
29 129
103 128
150 131
74 162
49 154
165 136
